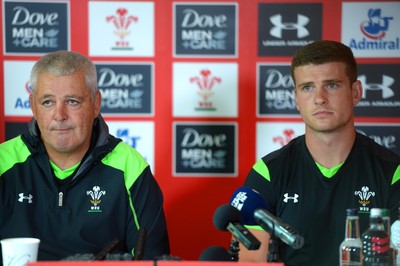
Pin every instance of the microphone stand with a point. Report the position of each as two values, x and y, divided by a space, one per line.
273 252
234 250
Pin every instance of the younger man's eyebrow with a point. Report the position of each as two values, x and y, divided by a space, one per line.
333 81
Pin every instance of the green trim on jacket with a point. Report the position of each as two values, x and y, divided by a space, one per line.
262 169
131 171
16 151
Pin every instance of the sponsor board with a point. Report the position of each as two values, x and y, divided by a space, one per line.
381 90
205 89
371 29
284 28
127 29
126 88
271 136
387 135
275 91
17 88
205 149
205 29
31 27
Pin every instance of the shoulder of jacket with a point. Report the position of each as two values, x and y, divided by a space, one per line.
12 151
126 158
295 144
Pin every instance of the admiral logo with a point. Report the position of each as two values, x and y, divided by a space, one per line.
275 90
23 103
370 28
36 27
205 149
205 29
205 83
380 90
17 87
282 30
375 29
121 22
383 134
376 26
125 88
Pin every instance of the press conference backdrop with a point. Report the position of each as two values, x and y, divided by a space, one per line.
202 88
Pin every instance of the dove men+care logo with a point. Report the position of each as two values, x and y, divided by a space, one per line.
35 28
205 149
275 90
126 88
387 135
284 28
381 90
205 30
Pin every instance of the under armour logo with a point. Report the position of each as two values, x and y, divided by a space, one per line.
302 21
387 81
22 197
294 198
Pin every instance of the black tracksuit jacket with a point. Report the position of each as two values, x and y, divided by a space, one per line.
111 195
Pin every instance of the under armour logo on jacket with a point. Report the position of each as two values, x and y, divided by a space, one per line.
22 197
294 198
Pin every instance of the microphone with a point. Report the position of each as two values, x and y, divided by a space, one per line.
255 212
227 218
112 246
215 253
140 244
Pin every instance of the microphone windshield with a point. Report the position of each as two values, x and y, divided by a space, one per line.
215 253
224 215
247 201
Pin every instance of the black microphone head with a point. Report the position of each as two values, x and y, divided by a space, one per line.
224 215
215 253
247 201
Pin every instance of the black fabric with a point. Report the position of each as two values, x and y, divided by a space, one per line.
316 205
83 223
